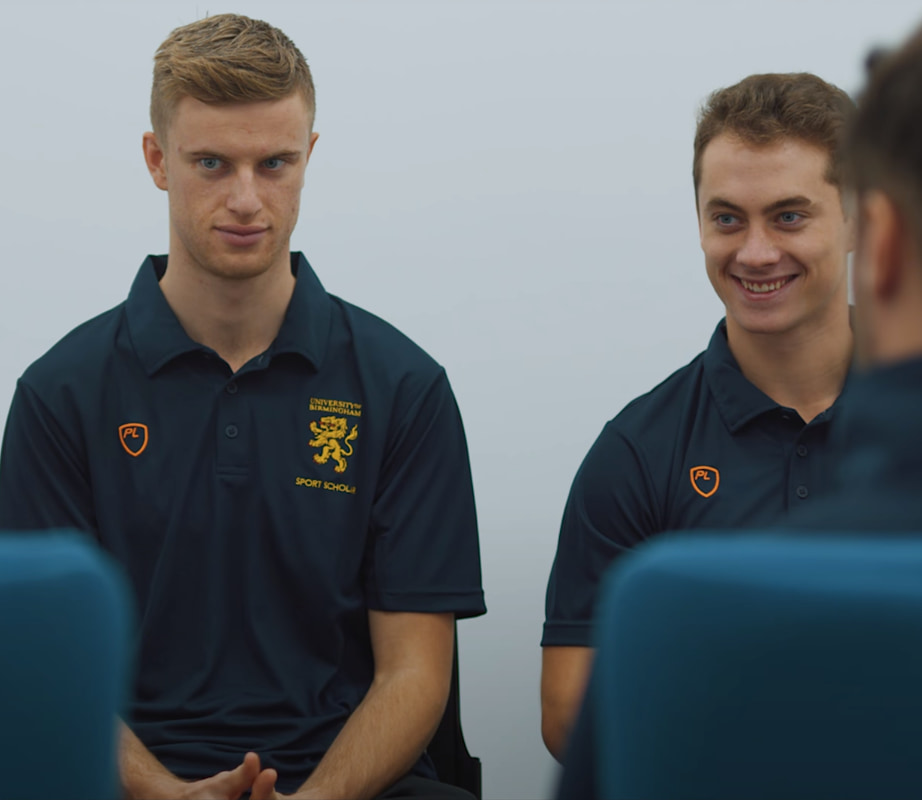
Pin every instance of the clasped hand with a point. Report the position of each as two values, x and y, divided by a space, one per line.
231 784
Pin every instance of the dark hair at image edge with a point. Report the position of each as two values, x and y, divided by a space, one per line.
883 143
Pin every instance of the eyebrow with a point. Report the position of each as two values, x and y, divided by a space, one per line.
215 154
797 201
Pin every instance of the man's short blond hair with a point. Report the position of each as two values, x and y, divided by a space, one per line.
227 58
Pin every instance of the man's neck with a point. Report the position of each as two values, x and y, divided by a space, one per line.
238 319
803 369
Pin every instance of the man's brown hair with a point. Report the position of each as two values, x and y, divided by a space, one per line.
883 143
763 109
226 58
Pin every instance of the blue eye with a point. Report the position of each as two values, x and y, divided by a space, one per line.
725 219
790 217
210 163
273 163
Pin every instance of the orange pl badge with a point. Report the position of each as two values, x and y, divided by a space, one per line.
133 436
705 480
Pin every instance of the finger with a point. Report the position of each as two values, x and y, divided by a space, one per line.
233 783
251 766
264 786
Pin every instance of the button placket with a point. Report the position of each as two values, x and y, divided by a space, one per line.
800 466
231 446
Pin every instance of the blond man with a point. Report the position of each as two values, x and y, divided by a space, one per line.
283 476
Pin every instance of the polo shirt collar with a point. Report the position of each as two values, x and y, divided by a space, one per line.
158 337
738 401
155 331
306 327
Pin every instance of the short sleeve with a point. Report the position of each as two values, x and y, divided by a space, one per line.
425 554
612 506
43 476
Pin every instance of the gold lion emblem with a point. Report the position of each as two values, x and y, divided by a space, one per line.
327 435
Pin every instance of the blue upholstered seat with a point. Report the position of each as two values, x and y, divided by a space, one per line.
65 618
768 666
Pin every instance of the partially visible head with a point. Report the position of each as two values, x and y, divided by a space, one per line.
766 109
227 58
883 148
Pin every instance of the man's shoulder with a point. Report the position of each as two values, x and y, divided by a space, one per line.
79 355
670 401
379 345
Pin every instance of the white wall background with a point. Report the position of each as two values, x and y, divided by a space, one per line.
507 182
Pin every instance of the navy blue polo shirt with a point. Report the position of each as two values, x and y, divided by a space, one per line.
878 481
259 515
704 449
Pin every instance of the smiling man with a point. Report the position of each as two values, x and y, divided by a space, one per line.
283 476
738 437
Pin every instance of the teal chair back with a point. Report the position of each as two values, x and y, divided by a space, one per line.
65 619
773 666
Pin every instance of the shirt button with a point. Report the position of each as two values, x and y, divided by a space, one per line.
231 432
231 388
802 492
802 450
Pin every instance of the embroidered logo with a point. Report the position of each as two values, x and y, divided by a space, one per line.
343 407
705 480
133 436
331 437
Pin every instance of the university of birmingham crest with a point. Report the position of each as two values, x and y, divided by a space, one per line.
331 437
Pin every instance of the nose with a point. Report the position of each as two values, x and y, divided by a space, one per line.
759 248
243 198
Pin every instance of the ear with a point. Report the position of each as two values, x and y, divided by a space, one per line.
310 146
155 158
700 223
885 245
850 209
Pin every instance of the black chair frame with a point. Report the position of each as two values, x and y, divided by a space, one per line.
453 763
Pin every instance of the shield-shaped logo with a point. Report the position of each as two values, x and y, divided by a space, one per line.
705 480
133 436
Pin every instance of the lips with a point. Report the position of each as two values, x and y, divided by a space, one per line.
241 235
